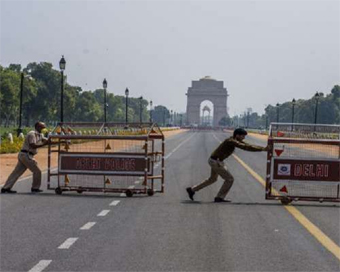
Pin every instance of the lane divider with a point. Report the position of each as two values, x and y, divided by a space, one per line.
103 213
114 203
88 225
68 243
319 235
40 266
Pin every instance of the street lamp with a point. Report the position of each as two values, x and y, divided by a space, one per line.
293 107
317 96
62 65
126 105
277 112
247 118
163 116
140 109
150 111
23 76
171 117
105 97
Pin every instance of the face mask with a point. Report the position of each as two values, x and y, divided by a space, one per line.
44 132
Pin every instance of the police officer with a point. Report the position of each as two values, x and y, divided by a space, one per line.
32 142
223 151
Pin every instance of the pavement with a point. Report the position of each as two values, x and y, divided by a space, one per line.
169 232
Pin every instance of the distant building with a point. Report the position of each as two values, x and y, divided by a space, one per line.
210 89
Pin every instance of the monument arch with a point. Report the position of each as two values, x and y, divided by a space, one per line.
210 89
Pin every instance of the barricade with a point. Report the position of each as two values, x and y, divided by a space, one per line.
303 163
110 157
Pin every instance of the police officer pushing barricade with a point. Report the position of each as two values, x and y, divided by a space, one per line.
223 151
32 142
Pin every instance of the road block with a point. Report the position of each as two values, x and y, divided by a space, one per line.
107 157
303 163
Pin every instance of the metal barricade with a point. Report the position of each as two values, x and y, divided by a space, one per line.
303 163
110 157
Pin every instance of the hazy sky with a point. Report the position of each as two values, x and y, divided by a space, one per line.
264 51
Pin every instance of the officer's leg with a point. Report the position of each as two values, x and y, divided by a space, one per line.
32 165
228 181
213 177
19 169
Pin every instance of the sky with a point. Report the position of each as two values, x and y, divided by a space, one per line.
265 52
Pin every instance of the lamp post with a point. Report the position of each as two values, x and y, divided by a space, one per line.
277 112
293 108
105 97
164 117
317 96
62 65
126 105
247 119
20 109
150 111
171 113
140 109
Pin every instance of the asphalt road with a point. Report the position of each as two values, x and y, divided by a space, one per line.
167 232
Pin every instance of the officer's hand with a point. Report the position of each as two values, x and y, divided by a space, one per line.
267 148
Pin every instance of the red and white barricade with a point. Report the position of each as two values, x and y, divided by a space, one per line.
303 163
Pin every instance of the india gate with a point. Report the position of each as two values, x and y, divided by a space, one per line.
210 89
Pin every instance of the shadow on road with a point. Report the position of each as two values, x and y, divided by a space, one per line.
258 204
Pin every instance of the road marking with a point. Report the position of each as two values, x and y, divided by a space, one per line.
122 194
114 203
303 220
40 266
88 225
131 187
68 243
103 213
174 150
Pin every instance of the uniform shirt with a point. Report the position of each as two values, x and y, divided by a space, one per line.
225 149
32 137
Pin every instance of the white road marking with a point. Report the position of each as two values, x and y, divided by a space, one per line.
174 150
122 194
40 266
114 203
103 213
88 225
131 187
137 181
68 243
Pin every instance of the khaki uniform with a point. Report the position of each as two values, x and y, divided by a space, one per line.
223 151
26 161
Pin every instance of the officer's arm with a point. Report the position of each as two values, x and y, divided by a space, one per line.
249 147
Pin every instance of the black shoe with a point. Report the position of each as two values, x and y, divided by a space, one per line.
36 190
7 191
218 199
191 193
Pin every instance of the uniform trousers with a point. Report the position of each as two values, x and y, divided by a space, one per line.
25 161
217 169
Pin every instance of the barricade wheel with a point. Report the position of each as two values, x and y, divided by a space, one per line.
58 191
128 193
79 191
150 192
286 201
